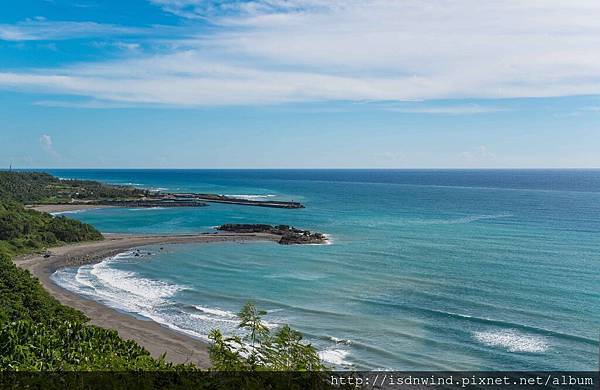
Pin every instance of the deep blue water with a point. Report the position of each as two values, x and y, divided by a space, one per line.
428 269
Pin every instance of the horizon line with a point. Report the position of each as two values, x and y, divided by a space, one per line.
312 168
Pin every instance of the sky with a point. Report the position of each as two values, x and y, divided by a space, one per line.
300 84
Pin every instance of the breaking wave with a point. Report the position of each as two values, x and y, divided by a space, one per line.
251 196
512 340
335 356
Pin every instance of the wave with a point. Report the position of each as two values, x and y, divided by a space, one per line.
129 183
335 356
251 196
131 283
524 327
328 241
339 341
117 288
212 318
152 299
147 208
216 312
67 212
463 220
145 297
512 340
483 320
304 276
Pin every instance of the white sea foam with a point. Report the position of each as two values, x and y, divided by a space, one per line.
82 277
131 283
335 356
67 212
129 291
270 325
66 278
212 318
216 312
117 288
328 240
340 341
512 340
251 196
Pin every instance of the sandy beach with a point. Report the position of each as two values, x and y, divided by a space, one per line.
157 339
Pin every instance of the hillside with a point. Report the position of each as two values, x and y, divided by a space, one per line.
37 332
37 187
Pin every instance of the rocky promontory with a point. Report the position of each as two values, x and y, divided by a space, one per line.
289 234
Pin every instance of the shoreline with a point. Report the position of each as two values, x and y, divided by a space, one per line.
61 208
156 338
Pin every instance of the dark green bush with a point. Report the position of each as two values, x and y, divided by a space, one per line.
24 229
70 345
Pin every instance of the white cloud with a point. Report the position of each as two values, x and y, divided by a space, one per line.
273 51
466 109
47 144
89 104
40 29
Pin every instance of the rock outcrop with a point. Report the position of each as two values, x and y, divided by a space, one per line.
289 234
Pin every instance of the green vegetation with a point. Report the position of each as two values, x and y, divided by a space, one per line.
40 334
261 351
35 187
70 345
23 230
23 298
37 332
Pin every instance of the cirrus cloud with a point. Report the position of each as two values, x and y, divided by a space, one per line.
276 51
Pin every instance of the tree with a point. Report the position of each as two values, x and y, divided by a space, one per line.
286 352
259 350
251 319
226 352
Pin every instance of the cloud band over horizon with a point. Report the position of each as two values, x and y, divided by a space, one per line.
276 51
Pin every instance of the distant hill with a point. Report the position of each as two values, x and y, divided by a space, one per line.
37 187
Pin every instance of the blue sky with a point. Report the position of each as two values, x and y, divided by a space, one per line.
300 83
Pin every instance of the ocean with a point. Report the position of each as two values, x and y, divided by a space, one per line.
426 270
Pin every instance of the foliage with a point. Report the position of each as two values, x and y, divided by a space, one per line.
23 297
37 332
286 352
23 230
66 345
251 318
261 351
227 353
37 187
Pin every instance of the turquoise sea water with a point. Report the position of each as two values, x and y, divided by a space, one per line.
426 270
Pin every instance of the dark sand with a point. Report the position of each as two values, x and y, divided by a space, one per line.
156 338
